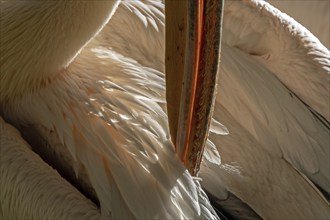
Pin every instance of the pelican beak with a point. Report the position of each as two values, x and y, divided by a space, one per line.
193 35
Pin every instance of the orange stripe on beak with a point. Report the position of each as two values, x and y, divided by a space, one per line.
199 28
190 104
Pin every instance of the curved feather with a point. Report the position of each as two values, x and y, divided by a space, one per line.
122 139
119 135
319 21
269 124
29 187
272 112
288 49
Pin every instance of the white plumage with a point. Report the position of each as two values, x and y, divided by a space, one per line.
113 95
275 139
318 24
104 112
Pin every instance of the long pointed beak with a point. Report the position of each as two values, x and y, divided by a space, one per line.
193 35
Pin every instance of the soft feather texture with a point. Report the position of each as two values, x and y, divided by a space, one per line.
23 23
252 164
143 37
319 20
277 117
288 49
108 111
274 138
39 191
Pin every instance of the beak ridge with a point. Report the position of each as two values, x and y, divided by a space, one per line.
192 54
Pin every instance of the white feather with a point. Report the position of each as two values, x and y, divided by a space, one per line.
272 132
134 153
108 110
31 188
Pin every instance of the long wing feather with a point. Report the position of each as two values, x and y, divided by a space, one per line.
268 124
267 183
119 137
29 187
272 112
288 49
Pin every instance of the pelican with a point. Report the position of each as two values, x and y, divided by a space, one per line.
273 159
102 114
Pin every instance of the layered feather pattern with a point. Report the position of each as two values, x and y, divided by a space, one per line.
108 112
115 126
275 139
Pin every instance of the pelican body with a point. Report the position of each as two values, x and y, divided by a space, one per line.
93 101
111 139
